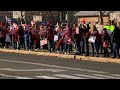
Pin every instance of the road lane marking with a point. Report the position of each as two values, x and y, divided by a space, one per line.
16 77
106 76
69 76
47 77
88 76
116 75
32 70
40 64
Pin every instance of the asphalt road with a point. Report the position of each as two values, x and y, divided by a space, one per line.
19 66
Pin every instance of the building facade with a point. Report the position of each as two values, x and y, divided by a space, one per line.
52 16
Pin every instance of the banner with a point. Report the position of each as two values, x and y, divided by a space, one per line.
111 28
55 38
43 42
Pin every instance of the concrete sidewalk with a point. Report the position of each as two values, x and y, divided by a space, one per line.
76 57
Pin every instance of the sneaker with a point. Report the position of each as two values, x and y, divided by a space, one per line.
113 57
117 57
96 56
77 54
65 53
86 55
92 55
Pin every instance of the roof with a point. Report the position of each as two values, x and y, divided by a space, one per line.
90 13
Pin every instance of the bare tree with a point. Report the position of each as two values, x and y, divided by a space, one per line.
22 19
101 16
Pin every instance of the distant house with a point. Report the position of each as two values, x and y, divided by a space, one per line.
91 16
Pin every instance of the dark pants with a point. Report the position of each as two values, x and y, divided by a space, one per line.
31 44
7 44
86 46
115 49
101 48
92 45
67 46
3 41
106 53
111 46
101 45
37 45
62 47
97 47
78 47
51 45
82 47
20 42
0 42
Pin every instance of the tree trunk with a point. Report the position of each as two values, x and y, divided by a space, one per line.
51 16
101 17
22 19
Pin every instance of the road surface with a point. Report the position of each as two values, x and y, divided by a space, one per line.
20 66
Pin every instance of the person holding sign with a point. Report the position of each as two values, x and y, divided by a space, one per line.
95 42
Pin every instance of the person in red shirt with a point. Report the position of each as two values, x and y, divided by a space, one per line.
16 37
3 35
7 38
20 37
37 40
67 39
50 37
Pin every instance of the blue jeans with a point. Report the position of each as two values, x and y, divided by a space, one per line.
115 49
92 45
82 48
20 42
13 41
78 47
97 47
51 45
26 44
62 47
86 45
67 46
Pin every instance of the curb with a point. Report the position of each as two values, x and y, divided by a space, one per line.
77 57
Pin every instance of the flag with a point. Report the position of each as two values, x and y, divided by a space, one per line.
33 23
6 18
43 42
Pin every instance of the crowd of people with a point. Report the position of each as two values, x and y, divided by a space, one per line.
83 38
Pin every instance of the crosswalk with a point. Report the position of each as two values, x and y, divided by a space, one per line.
65 76
79 76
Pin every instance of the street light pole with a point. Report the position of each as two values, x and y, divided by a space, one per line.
60 16
67 18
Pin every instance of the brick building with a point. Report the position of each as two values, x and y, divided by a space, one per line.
53 16
92 16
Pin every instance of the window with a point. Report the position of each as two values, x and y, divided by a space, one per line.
17 14
37 18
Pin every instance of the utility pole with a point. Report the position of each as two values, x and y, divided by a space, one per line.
67 17
22 19
60 17
101 17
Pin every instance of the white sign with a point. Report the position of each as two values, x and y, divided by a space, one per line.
37 18
55 38
92 39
